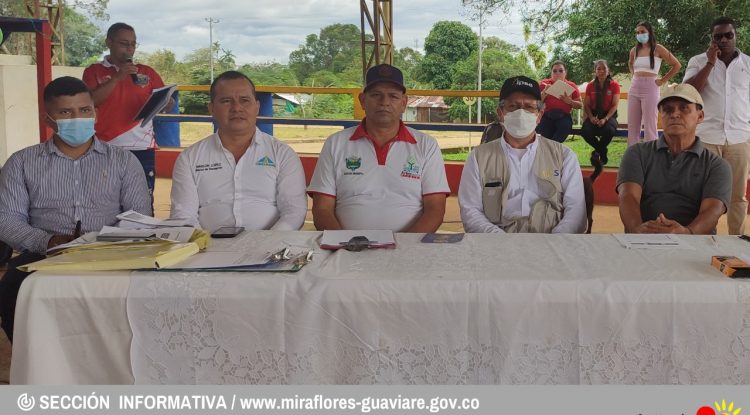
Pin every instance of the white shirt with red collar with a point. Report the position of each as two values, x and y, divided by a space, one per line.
379 188
264 189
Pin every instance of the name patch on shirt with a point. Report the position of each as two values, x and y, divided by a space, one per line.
353 163
265 161
208 167
411 169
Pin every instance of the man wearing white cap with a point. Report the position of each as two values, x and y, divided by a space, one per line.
674 184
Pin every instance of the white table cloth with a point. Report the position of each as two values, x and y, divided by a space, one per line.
498 309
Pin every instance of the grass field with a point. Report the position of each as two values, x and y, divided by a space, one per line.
191 132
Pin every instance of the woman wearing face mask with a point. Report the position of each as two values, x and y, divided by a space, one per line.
556 122
600 105
644 63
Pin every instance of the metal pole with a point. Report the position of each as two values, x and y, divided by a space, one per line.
479 83
211 22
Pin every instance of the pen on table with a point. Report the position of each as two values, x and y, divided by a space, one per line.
715 241
77 232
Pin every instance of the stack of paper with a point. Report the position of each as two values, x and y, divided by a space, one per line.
242 262
155 104
134 220
116 256
175 234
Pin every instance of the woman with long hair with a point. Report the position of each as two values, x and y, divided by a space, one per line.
644 64
600 106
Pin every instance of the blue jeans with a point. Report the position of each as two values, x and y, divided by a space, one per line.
555 125
147 158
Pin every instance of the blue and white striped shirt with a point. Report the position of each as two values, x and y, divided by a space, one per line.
44 192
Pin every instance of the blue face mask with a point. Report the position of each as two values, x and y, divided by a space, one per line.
642 37
75 131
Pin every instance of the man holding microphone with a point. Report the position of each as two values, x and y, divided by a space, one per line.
120 88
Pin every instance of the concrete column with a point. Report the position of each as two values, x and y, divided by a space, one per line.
19 110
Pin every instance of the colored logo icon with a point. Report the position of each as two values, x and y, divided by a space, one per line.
721 409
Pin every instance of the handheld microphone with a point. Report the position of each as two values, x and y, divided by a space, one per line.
133 76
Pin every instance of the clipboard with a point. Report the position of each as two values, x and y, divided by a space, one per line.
155 103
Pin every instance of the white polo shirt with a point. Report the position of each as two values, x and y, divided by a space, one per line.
265 189
726 99
523 190
379 188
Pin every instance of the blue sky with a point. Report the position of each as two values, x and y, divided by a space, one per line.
268 30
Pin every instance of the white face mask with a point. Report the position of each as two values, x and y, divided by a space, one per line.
520 123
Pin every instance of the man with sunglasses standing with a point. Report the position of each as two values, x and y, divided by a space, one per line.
120 88
722 76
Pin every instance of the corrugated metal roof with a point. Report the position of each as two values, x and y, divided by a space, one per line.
422 102
293 98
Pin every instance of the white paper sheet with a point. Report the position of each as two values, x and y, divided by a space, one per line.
650 241
221 260
134 220
559 88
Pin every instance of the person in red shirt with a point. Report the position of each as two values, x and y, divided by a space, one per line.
600 105
556 122
120 88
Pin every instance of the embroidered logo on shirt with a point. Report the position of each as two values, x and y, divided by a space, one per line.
265 161
142 79
353 163
546 174
411 169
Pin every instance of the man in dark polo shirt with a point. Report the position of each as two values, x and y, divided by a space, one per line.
674 184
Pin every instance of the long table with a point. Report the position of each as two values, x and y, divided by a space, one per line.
492 309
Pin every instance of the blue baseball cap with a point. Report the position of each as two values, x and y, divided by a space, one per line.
384 73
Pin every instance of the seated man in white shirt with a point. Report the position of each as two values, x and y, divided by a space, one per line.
522 182
380 174
238 176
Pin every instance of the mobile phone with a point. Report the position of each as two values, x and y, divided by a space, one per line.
227 232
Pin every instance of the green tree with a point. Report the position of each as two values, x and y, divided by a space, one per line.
447 44
498 63
199 73
94 8
604 29
165 63
408 60
84 42
270 73
333 50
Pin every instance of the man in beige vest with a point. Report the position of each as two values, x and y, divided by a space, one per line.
523 182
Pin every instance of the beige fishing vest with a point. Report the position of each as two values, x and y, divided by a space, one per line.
546 212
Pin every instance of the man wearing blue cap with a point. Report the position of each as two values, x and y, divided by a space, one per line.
380 174
522 182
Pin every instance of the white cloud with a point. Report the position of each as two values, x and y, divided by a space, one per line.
265 30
